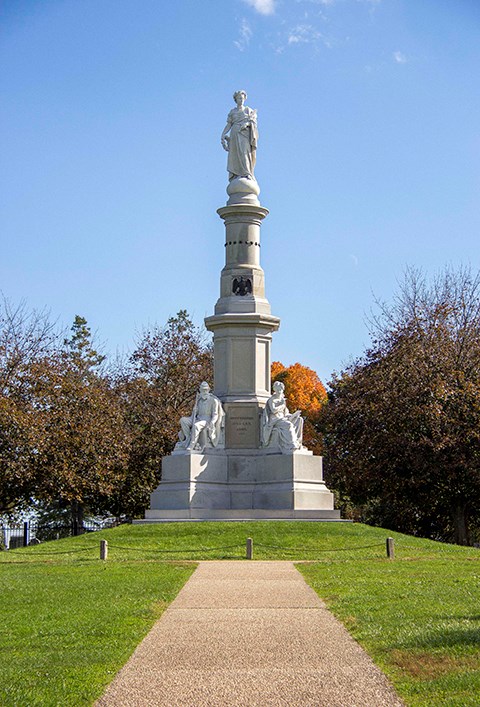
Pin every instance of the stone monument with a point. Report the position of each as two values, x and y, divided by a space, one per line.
240 454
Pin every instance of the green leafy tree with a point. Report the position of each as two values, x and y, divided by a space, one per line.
79 351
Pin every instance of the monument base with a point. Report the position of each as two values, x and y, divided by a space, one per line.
242 484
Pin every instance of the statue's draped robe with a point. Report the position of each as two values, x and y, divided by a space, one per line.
278 422
243 142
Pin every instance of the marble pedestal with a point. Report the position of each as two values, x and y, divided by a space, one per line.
244 484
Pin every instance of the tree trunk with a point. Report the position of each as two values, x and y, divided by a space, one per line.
77 518
461 535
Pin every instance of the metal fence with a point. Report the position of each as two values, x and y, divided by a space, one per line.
33 532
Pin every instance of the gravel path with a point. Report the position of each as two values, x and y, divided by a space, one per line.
248 633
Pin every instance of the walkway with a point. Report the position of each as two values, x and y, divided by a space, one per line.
245 634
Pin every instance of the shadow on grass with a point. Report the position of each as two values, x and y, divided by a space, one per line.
446 638
428 666
469 617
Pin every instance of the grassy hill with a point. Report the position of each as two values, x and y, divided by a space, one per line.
71 620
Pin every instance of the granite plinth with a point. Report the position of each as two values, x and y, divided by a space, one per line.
251 484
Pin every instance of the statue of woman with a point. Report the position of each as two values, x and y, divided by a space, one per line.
279 427
241 145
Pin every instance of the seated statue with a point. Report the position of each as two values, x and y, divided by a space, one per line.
280 428
205 427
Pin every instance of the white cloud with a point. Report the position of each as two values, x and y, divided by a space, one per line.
264 7
319 2
400 58
303 34
245 33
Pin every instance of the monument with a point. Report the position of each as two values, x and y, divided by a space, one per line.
240 454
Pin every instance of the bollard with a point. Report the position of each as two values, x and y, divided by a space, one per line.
390 549
249 549
103 549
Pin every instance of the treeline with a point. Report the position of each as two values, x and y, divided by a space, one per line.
84 435
399 427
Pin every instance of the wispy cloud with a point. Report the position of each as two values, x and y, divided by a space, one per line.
303 34
264 7
302 23
245 34
320 2
399 57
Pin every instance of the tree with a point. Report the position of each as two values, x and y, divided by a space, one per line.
402 427
85 444
304 391
26 337
79 352
157 387
76 435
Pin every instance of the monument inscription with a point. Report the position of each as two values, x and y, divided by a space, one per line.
242 427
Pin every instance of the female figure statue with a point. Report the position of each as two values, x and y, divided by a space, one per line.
241 145
279 427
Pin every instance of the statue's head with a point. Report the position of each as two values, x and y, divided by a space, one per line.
204 389
278 387
240 93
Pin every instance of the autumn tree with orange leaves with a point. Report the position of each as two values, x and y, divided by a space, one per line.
304 391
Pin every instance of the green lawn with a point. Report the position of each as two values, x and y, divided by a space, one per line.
68 628
418 617
72 620
273 540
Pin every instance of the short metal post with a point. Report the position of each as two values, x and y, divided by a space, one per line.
390 549
249 549
103 549
25 533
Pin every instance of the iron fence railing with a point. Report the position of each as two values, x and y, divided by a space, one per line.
32 532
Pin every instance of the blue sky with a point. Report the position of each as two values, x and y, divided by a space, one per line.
112 169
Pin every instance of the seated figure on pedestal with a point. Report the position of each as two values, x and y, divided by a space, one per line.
280 428
205 427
